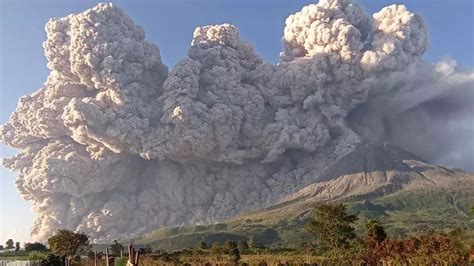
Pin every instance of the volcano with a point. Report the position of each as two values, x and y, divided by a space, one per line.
373 170
404 192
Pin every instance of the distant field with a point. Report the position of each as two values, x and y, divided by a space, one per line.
23 255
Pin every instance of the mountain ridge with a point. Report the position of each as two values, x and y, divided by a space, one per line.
385 182
374 169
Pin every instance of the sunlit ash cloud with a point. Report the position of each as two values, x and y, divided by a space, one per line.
114 145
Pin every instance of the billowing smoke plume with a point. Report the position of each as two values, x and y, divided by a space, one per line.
114 145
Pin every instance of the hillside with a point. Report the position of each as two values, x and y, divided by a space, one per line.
406 193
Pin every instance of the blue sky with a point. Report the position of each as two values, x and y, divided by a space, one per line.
170 25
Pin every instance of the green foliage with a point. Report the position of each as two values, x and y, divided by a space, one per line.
402 214
235 255
37 255
373 239
332 226
408 213
243 247
35 246
121 261
216 249
17 246
229 245
12 254
66 243
51 260
374 232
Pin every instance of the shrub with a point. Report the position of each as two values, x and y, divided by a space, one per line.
51 260
229 245
121 261
216 249
37 255
36 246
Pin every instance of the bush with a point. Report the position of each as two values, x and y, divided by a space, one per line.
51 260
229 245
66 243
235 255
243 247
36 246
216 249
37 255
121 261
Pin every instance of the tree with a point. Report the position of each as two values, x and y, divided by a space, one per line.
17 246
66 243
36 246
374 232
235 254
332 226
229 245
51 260
1 247
243 247
374 238
9 244
116 248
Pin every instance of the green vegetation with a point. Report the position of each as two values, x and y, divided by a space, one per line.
36 246
333 235
331 239
333 227
67 244
426 226
402 214
32 251
24 255
38 255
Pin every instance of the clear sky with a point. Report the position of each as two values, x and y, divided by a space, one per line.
170 25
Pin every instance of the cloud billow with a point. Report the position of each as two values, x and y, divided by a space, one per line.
114 145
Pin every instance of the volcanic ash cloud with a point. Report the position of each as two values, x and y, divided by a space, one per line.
114 145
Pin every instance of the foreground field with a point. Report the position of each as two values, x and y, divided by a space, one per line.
150 260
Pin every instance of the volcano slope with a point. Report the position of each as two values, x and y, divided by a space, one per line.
385 182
